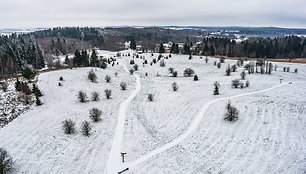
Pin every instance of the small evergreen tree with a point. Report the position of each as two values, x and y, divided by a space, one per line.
6 162
92 76
82 96
235 83
28 74
228 71
38 102
95 96
108 93
216 90
195 78
243 74
150 97
123 85
68 126
219 64
231 113
95 114
174 86
108 78
86 128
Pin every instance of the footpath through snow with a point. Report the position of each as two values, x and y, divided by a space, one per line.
114 163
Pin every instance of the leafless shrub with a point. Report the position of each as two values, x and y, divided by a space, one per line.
188 72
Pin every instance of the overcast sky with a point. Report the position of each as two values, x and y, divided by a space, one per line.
53 13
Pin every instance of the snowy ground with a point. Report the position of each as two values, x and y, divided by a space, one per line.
179 132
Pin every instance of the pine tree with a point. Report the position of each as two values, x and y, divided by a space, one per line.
133 44
93 58
161 48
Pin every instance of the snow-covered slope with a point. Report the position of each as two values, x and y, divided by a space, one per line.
178 132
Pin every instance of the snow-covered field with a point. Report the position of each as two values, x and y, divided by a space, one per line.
178 132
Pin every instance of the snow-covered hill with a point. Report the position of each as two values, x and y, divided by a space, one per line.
178 132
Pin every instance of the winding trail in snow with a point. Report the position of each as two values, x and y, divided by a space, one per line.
193 126
114 163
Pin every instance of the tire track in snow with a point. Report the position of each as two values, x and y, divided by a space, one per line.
192 128
114 163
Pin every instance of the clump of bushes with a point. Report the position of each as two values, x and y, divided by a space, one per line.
68 126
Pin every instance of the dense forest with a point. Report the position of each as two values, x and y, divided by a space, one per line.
16 53
35 48
284 47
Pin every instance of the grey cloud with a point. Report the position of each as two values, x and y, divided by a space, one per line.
51 13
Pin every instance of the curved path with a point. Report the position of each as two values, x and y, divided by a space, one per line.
114 163
193 126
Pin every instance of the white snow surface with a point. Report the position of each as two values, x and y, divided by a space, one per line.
178 132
